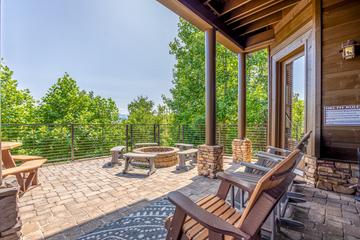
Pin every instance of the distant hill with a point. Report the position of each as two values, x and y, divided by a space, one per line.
123 116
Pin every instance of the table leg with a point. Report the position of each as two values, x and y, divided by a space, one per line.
182 163
10 163
152 166
127 163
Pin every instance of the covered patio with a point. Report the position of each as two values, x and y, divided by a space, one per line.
62 208
86 199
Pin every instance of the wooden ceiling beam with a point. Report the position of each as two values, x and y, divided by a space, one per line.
264 22
259 40
204 13
230 5
248 9
264 13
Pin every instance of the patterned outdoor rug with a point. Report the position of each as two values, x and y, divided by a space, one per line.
147 223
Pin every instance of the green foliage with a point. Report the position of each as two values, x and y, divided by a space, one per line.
188 94
64 102
298 114
17 106
142 110
257 88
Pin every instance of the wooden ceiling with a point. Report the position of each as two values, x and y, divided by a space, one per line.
245 22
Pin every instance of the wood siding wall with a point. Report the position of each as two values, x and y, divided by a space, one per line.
296 35
340 78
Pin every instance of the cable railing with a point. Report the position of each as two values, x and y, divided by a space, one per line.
70 142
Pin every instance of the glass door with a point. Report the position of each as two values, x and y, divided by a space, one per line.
294 101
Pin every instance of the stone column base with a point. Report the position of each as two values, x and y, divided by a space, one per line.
10 224
337 176
241 150
310 170
210 160
331 175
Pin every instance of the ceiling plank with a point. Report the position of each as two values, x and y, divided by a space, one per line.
293 12
230 5
248 9
264 13
203 12
264 22
214 6
259 40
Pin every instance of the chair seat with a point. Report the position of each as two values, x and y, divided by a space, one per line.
24 158
215 205
25 167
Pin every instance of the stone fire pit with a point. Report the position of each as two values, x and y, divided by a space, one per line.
166 156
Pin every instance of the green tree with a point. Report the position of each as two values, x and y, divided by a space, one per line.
64 102
298 113
187 101
257 88
141 111
17 105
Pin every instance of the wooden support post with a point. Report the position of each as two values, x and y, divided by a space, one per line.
241 95
210 78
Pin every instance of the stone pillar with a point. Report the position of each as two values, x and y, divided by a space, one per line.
310 170
241 150
10 224
336 176
210 160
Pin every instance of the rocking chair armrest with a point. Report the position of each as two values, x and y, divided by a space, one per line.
208 220
269 156
255 166
237 181
281 150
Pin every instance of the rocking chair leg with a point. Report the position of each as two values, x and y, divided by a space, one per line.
273 224
175 229
232 196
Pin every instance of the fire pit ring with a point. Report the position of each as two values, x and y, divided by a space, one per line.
166 156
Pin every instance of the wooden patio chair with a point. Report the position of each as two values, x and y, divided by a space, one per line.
213 218
273 156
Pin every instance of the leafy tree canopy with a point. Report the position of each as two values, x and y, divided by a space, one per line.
64 102
187 100
17 106
142 110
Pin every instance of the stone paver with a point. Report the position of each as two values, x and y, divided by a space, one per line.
77 197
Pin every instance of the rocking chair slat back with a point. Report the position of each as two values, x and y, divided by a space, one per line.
271 180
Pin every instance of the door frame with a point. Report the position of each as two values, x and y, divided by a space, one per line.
298 53
302 41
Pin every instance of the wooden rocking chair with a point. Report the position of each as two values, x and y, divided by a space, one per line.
213 218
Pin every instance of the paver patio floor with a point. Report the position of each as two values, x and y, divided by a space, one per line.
76 198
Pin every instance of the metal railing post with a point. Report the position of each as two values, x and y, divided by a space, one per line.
158 133
154 133
179 133
72 142
127 137
182 133
131 136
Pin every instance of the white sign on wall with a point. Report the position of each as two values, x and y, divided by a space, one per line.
344 115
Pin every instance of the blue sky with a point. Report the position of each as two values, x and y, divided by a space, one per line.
100 43
299 77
